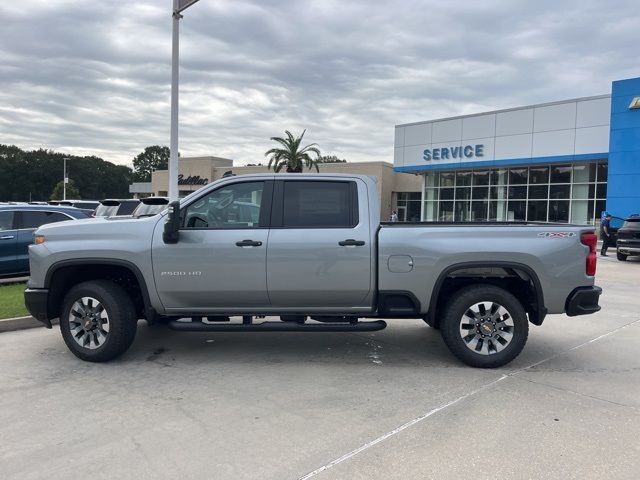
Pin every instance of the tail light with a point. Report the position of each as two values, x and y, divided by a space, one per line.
590 240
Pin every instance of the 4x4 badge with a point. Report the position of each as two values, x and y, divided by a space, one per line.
557 234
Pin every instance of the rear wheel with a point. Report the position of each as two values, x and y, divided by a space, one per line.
621 256
484 326
98 321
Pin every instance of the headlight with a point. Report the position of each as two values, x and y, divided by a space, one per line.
38 239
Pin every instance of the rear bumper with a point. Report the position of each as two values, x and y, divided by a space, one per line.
583 301
36 300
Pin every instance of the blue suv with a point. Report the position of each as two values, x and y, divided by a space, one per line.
17 224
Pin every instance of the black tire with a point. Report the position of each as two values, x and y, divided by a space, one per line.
463 300
621 256
121 317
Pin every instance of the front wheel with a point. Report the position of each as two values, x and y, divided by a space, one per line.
98 320
484 326
621 256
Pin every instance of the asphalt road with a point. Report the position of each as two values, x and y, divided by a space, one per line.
389 405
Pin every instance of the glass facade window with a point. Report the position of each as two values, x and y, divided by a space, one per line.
408 204
544 193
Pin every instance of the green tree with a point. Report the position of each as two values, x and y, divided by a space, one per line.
32 175
152 158
72 192
291 156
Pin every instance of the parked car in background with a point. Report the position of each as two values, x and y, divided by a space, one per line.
150 206
628 242
88 206
112 207
17 224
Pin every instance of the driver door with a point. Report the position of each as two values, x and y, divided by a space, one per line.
219 262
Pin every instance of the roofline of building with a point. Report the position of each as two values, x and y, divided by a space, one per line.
548 104
340 164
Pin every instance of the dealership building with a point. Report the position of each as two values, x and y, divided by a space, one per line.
563 161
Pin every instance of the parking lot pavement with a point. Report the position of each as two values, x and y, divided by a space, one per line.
390 404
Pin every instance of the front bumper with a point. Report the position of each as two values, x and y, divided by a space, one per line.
37 300
583 301
628 246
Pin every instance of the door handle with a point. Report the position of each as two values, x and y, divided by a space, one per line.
248 243
351 243
7 237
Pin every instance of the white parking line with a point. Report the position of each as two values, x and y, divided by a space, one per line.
424 416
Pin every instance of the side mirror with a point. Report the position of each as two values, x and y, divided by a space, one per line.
172 224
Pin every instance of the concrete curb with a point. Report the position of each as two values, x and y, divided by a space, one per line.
20 323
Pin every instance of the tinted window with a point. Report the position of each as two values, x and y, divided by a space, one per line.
319 204
127 207
6 220
85 205
34 219
232 206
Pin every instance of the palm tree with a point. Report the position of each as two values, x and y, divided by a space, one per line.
291 155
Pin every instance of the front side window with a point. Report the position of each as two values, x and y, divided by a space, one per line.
232 206
319 204
37 218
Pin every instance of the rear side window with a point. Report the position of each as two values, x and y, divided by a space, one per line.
34 218
127 207
6 220
320 204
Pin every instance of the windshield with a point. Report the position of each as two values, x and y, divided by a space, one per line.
147 210
106 210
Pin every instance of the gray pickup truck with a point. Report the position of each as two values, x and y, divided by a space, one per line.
309 249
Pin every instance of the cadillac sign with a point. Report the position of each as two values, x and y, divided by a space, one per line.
192 180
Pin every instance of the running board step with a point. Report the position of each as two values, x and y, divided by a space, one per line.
278 327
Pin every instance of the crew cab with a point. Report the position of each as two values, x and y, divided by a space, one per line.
309 249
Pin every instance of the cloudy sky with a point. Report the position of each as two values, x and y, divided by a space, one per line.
93 76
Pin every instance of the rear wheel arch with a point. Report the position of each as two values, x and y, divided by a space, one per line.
526 287
64 275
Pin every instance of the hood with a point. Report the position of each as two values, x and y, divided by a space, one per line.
118 227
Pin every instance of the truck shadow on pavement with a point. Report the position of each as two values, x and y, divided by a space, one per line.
410 343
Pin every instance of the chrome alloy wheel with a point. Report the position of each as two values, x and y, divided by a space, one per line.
486 328
89 323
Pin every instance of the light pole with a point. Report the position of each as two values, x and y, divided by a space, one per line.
65 180
178 7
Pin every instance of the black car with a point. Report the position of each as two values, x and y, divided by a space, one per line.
628 242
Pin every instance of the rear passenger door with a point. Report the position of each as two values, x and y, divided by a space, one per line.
320 248
8 236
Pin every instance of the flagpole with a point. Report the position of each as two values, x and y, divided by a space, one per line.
173 151
178 7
